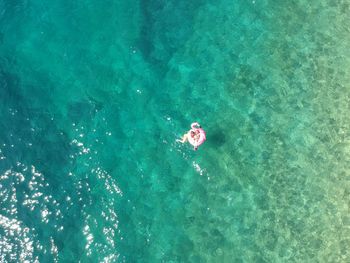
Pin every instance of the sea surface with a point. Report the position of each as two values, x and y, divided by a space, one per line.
94 94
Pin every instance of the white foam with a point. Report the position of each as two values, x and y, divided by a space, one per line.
198 168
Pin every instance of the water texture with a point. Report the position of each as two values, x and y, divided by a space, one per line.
93 95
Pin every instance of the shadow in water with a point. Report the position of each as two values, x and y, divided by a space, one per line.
218 138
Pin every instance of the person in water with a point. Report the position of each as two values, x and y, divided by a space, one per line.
196 136
190 134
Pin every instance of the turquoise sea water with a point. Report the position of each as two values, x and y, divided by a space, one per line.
94 93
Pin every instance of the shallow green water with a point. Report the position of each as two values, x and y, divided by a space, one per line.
94 93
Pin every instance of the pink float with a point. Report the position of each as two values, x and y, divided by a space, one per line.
196 130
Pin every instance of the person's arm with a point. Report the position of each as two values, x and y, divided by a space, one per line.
183 139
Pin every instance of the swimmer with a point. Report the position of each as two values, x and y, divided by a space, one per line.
196 136
186 136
